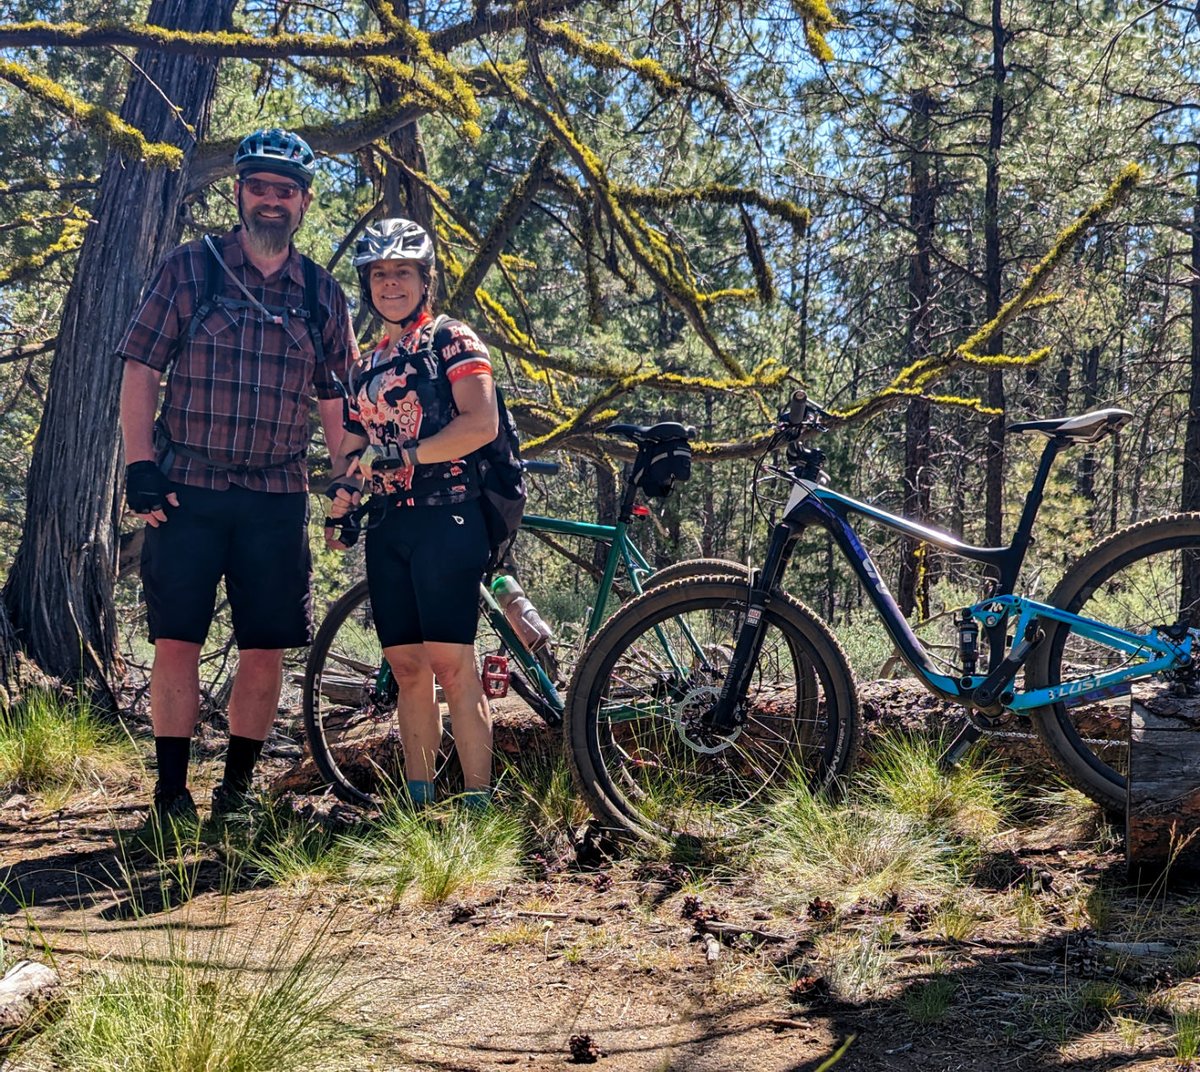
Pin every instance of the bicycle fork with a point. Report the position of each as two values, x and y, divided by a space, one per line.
726 713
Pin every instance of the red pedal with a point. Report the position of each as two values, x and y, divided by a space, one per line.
495 676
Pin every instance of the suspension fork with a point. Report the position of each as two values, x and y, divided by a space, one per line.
725 714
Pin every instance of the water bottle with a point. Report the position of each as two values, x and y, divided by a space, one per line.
521 614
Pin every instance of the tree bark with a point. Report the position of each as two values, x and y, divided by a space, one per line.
993 481
26 989
1190 492
402 194
59 593
1086 478
1163 814
912 589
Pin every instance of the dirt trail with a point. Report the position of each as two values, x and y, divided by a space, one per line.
604 953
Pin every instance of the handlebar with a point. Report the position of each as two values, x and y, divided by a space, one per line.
801 415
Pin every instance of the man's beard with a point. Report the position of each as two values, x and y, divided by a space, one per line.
270 237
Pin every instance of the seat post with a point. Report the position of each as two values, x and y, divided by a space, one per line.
1033 502
627 500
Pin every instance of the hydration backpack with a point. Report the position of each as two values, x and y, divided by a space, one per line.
502 491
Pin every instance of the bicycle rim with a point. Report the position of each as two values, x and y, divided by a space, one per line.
1143 576
638 739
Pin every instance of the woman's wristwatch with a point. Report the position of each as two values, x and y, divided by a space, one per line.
410 455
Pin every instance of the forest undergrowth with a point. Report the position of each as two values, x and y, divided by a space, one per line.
919 914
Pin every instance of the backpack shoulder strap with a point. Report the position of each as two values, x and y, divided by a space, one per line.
213 270
434 328
312 305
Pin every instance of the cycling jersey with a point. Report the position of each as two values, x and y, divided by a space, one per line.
401 393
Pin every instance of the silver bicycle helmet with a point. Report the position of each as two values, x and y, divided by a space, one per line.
278 151
393 239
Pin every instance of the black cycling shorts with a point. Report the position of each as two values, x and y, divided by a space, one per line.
424 565
257 541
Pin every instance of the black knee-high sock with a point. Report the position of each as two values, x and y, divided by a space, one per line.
172 755
239 762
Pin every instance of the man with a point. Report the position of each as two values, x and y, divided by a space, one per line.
220 476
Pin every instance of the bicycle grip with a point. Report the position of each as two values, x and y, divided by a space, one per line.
348 528
797 408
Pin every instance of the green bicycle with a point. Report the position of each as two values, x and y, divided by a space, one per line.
349 694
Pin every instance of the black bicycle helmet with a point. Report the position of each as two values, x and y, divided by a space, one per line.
278 151
393 239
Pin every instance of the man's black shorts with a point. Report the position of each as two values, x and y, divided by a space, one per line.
256 540
424 565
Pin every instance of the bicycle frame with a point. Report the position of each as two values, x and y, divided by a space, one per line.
621 551
811 503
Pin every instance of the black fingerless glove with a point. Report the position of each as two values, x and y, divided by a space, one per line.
348 529
146 488
341 484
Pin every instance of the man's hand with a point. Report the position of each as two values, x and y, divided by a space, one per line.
148 492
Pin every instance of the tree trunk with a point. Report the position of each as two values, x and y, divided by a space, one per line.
59 593
403 195
912 589
606 508
1086 479
708 506
1190 492
993 481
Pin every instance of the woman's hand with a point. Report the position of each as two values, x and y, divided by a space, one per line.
344 497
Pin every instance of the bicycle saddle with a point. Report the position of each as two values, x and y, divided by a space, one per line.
651 433
1086 428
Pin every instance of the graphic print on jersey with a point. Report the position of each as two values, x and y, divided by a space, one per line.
401 394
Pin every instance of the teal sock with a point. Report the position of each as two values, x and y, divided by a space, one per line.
420 793
477 799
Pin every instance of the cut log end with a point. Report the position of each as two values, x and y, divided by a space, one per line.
1163 803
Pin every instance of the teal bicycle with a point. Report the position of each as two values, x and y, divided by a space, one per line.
349 694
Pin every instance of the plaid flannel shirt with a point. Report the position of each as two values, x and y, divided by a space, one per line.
241 391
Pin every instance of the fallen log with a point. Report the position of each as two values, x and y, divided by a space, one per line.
1162 819
26 989
368 741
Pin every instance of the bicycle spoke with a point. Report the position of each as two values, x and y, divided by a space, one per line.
653 698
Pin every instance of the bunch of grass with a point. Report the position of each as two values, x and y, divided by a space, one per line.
542 793
1187 1036
52 744
846 851
286 850
427 856
200 1005
966 802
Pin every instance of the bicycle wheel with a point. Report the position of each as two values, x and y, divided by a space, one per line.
696 567
1145 575
635 727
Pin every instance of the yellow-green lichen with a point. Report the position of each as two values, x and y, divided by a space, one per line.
126 139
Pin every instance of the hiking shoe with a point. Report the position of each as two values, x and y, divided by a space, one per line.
229 804
170 824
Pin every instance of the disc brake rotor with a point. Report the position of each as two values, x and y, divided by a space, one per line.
688 716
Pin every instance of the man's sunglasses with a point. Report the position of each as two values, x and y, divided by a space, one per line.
285 191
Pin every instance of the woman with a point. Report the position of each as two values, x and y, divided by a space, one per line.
418 405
